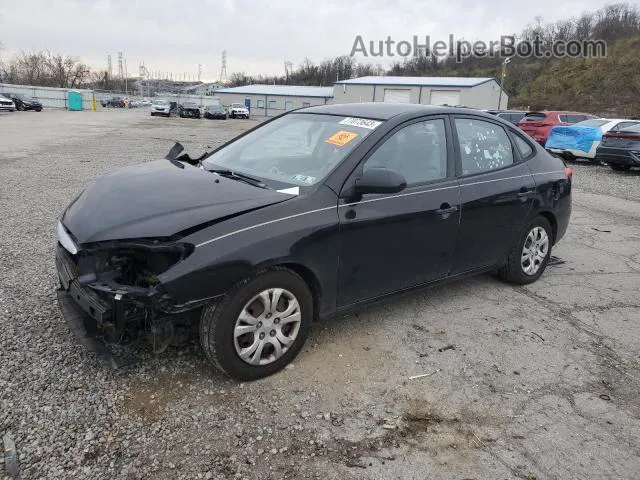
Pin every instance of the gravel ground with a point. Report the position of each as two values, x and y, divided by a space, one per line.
537 382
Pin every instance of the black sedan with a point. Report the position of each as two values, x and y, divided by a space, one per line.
25 102
189 109
311 214
215 112
620 149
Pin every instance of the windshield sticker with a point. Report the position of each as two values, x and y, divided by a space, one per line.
341 138
304 179
360 122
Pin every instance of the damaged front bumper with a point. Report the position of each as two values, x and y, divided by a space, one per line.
102 313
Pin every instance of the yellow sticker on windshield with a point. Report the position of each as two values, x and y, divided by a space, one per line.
341 138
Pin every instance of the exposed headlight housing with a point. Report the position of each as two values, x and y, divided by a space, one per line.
65 240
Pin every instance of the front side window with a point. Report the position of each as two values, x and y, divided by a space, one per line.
296 149
484 146
418 151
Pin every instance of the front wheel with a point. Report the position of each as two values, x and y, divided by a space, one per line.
259 326
528 260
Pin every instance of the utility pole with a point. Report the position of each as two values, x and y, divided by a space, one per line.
126 86
504 73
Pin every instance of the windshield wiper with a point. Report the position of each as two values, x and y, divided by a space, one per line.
240 176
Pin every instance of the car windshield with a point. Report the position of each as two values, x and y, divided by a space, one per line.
161 102
189 105
591 123
295 149
22 96
216 108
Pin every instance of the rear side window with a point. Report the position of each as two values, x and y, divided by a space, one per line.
484 146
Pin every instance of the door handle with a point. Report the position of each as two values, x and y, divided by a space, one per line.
525 192
446 209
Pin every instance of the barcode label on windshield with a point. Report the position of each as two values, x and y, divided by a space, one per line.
360 122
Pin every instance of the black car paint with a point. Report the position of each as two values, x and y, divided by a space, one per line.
339 246
624 152
26 104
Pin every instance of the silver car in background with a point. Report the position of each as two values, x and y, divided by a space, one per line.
7 104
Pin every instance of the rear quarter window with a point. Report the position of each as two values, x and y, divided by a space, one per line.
524 147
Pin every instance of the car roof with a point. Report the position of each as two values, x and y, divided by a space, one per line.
385 111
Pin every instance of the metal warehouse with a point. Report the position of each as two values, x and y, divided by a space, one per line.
471 92
271 100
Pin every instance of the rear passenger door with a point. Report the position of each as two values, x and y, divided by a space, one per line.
496 192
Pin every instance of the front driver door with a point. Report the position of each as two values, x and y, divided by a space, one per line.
390 242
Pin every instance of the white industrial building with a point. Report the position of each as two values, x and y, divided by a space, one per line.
471 92
272 100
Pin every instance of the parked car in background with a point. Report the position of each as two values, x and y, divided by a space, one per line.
215 112
25 102
538 124
164 108
620 149
6 104
376 200
189 109
238 110
582 139
114 102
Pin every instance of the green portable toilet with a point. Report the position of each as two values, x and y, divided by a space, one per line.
74 101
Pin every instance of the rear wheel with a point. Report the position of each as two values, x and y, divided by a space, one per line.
620 168
259 326
528 259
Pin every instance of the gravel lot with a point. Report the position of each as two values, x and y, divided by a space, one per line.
540 382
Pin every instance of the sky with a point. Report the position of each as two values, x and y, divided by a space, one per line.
175 36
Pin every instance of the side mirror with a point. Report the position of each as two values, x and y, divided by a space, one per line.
380 180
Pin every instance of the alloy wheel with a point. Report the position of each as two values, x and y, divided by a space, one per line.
535 250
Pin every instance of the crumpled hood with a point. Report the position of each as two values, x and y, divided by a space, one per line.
158 199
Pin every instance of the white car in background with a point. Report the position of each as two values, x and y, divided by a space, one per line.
581 140
161 107
7 104
238 110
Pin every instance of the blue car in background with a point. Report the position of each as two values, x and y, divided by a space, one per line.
582 139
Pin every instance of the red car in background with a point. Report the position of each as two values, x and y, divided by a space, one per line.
538 124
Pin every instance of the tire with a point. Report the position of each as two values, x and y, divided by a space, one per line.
620 168
218 323
20 107
514 271
38 109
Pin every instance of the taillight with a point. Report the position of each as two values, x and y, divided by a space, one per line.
568 172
